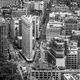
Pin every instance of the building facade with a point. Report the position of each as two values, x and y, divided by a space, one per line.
72 60
29 32
3 36
69 25
14 28
46 75
57 46
53 29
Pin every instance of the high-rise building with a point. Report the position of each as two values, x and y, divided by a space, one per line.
29 34
57 45
3 36
69 25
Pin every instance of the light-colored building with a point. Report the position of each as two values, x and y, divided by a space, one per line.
29 32
60 62
73 45
8 2
60 15
29 5
60 7
53 29
39 5
35 5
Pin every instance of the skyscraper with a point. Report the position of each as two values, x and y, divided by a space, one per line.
3 36
29 26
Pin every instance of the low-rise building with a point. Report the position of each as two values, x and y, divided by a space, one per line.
69 25
72 60
60 7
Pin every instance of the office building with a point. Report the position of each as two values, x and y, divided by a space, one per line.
60 8
72 57
57 45
73 45
39 5
3 36
35 6
8 2
53 29
72 60
18 13
29 5
69 25
29 34
47 55
75 35
14 29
